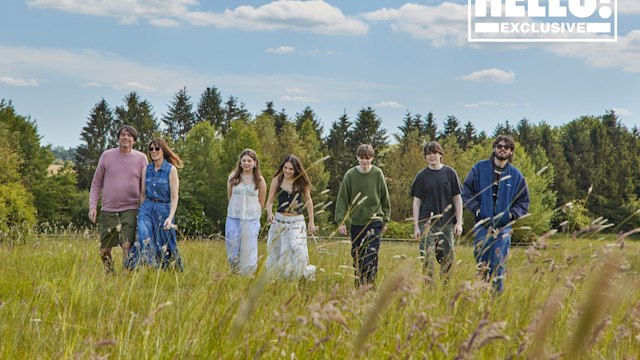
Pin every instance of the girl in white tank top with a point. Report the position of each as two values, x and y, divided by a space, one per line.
246 192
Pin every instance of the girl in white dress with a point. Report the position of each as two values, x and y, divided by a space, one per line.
287 254
246 192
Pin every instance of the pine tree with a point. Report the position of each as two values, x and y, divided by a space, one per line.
368 129
210 108
563 184
269 109
469 136
95 137
429 128
410 124
505 129
280 121
341 156
452 128
180 118
233 111
309 114
138 114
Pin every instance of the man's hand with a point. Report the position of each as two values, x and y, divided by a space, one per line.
92 215
457 230
416 232
342 229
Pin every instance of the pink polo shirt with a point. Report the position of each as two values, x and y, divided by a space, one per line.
118 178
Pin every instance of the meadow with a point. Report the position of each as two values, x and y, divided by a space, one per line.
565 298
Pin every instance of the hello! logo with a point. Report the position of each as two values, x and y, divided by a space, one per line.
543 21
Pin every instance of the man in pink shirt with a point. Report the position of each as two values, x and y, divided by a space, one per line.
118 179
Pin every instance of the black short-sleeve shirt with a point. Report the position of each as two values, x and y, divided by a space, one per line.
436 189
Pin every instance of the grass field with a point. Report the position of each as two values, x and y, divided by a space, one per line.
564 298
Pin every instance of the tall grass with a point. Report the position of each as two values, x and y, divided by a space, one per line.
569 299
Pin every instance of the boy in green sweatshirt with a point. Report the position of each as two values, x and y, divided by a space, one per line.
363 200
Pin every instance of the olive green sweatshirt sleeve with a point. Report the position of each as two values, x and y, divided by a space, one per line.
344 196
385 201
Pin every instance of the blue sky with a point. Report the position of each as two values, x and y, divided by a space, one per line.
58 58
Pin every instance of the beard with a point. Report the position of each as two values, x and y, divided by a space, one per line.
502 156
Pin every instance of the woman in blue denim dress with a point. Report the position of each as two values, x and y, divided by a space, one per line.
156 244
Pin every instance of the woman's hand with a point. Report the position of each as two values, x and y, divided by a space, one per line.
168 223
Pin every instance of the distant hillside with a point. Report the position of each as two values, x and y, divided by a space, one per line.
61 153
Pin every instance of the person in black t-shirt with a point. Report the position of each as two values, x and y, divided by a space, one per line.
437 209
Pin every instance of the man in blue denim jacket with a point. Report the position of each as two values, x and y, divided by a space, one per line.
497 194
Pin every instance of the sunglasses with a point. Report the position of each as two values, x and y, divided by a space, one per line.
156 148
500 146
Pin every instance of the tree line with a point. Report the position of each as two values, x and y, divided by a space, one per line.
583 173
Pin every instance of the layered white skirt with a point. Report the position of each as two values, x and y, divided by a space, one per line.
287 253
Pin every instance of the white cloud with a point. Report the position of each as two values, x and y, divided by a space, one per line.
94 68
294 90
490 75
442 24
86 67
92 85
390 104
623 54
134 85
622 111
128 11
163 22
480 103
282 50
296 98
315 16
7 80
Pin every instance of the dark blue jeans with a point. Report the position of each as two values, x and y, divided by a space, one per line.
365 245
492 250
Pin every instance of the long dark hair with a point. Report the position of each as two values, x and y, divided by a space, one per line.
167 153
235 177
301 180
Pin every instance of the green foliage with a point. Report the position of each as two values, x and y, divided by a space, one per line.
367 129
180 117
341 156
22 135
574 216
598 151
138 114
402 162
60 153
234 111
542 198
309 115
55 198
96 138
210 109
202 182
399 230
240 136
17 213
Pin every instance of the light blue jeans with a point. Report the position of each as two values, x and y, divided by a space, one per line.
241 240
